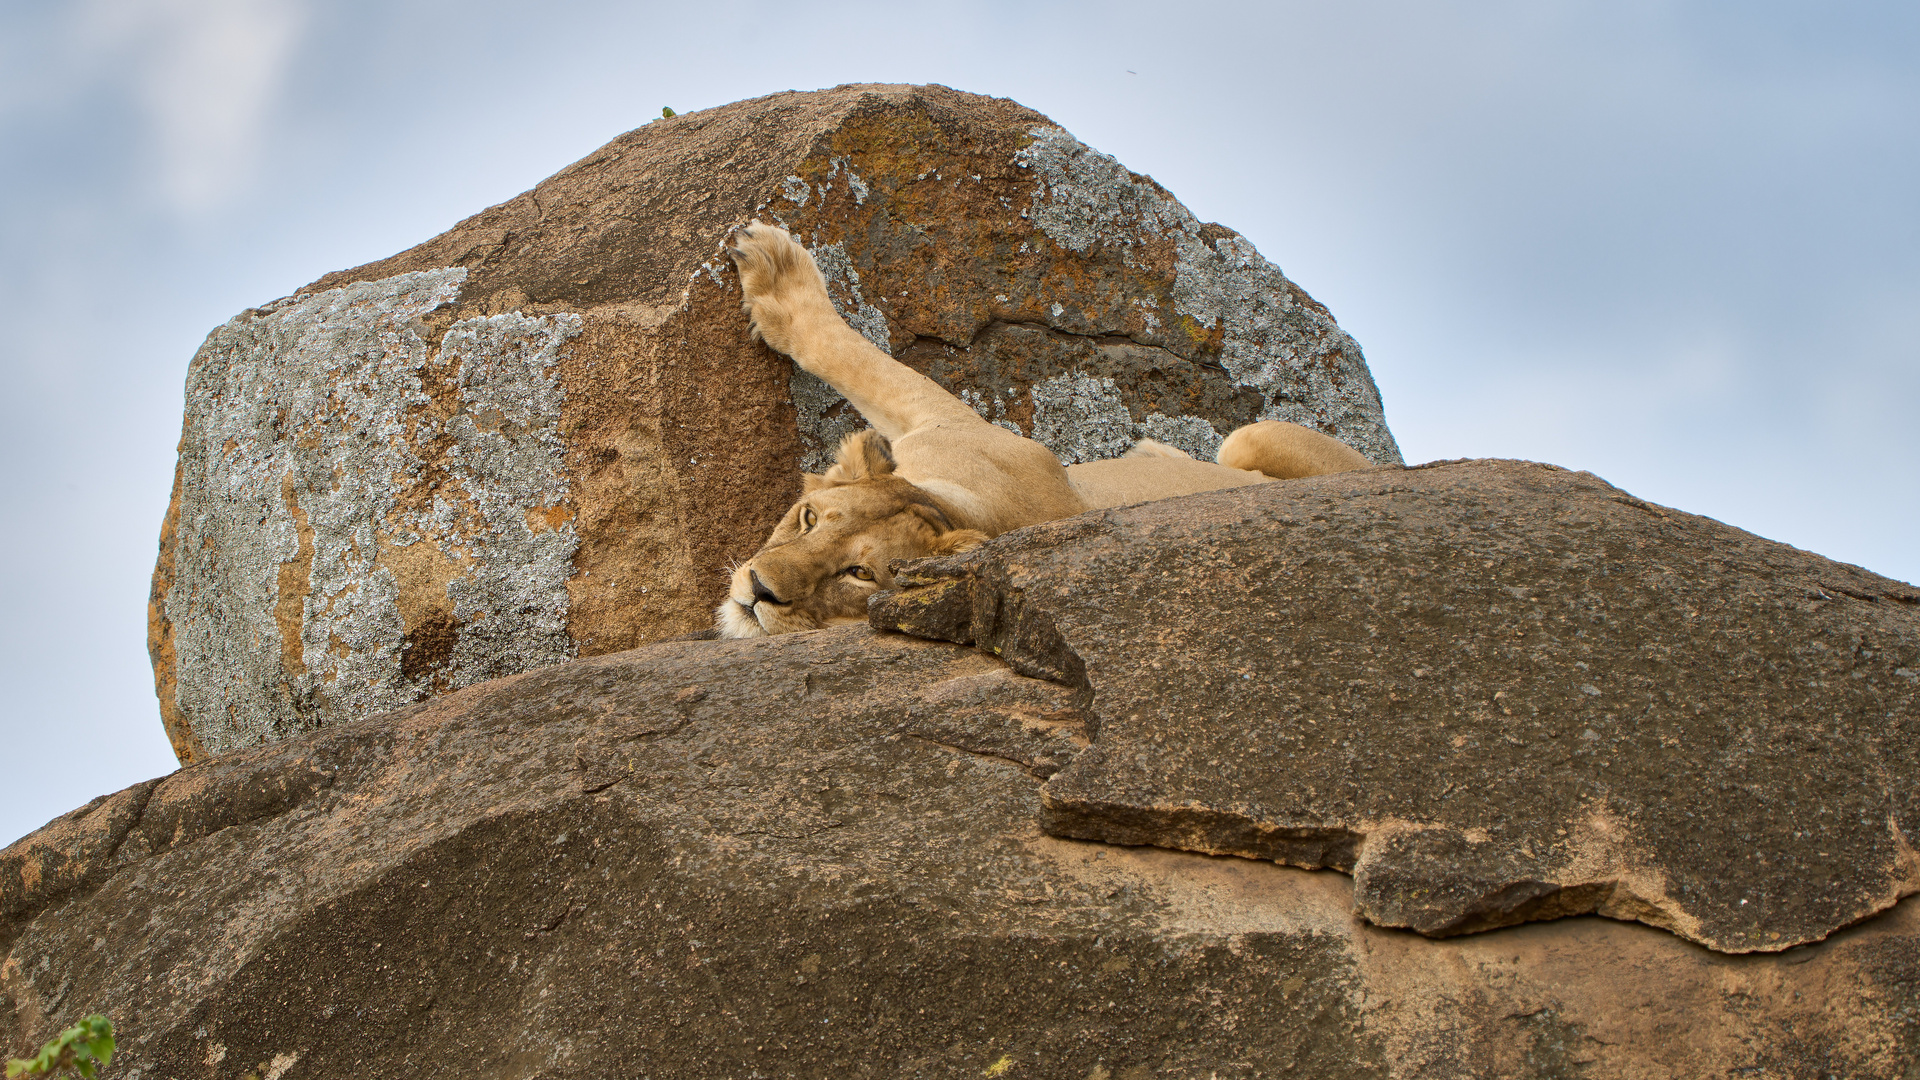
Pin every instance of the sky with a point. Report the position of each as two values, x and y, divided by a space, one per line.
1673 243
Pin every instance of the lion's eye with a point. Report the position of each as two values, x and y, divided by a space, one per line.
861 572
807 518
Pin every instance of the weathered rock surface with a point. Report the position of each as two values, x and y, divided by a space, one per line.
1491 691
817 855
544 433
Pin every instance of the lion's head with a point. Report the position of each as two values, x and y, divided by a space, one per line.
832 549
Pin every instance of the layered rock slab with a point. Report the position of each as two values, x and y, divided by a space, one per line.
805 856
1493 692
545 433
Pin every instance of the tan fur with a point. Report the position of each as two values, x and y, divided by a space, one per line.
1155 448
833 548
1287 451
932 477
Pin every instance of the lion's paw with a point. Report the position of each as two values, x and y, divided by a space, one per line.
763 253
778 282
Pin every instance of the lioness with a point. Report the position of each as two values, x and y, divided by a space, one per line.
931 477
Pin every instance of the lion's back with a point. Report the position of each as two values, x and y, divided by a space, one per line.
1120 481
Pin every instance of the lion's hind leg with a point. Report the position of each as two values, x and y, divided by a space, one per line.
1155 448
1287 451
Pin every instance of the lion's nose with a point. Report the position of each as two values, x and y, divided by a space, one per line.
760 590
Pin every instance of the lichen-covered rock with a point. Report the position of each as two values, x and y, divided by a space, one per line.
1493 692
815 855
545 433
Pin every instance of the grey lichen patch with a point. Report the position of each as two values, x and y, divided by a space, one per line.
1085 418
1081 418
1189 433
854 183
843 287
990 407
1275 339
822 415
508 458
1308 369
1083 197
325 433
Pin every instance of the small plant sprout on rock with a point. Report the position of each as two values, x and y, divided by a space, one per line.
75 1049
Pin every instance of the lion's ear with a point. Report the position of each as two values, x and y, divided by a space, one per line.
955 541
863 455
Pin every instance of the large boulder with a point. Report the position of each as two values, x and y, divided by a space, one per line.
859 852
814 855
545 433
1491 691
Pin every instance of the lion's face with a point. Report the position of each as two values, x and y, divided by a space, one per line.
832 549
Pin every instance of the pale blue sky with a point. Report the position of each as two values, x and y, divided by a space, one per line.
1677 244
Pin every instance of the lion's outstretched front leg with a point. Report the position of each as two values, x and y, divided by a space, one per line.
786 297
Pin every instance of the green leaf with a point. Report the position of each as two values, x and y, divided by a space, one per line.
75 1048
667 114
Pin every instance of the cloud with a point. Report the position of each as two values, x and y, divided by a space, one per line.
205 75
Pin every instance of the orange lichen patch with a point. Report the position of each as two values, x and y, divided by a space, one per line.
548 518
422 571
987 262
891 144
295 579
187 747
1205 339
946 283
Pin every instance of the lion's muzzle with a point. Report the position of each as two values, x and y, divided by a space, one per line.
760 591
